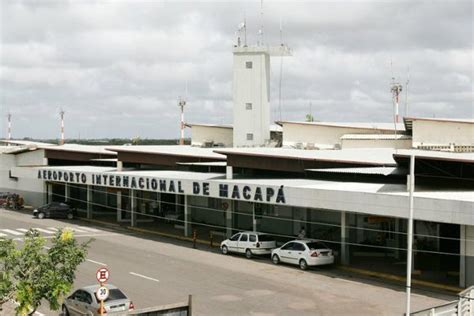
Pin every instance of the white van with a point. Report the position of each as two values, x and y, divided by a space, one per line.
250 243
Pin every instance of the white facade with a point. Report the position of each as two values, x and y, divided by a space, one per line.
443 134
12 179
251 94
375 141
328 135
211 135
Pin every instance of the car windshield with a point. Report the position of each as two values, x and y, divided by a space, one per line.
316 245
115 294
265 238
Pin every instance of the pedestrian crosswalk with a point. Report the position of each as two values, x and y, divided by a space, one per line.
19 232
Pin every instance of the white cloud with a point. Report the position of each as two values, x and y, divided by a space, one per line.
118 67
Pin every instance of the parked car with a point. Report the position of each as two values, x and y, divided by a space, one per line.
55 209
250 243
84 302
304 253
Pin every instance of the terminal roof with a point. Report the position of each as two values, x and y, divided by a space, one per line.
356 125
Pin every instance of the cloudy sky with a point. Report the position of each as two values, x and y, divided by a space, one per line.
118 67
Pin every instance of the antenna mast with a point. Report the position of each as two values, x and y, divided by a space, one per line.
261 21
281 70
61 114
406 92
181 104
9 132
396 89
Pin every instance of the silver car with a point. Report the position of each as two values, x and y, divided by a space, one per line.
84 302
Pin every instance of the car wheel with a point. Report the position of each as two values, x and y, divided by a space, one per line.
248 253
275 259
40 215
303 264
65 311
225 250
70 216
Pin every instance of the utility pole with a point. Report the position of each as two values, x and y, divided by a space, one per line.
9 132
410 235
181 104
61 114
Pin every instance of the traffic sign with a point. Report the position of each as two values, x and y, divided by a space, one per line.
102 275
102 293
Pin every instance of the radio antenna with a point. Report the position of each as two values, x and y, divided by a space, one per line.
406 91
281 70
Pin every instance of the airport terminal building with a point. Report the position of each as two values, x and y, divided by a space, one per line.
344 183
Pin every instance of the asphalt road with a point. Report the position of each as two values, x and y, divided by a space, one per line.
155 271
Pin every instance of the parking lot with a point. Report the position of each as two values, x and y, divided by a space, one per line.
156 271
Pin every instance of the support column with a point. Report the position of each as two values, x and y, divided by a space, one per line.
50 192
89 200
119 165
119 206
462 256
67 192
344 246
45 193
187 217
254 220
133 208
229 172
228 217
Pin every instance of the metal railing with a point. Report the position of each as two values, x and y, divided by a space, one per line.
464 306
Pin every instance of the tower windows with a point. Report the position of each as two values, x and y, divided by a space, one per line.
248 64
249 136
248 106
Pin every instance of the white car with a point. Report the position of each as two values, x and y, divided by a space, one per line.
250 243
304 253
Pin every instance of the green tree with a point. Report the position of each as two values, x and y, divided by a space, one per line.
309 118
34 272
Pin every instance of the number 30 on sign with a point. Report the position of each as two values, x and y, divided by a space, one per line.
102 293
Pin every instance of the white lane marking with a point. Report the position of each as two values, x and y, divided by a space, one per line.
96 262
44 231
3 235
12 232
24 230
53 228
88 229
79 230
143 276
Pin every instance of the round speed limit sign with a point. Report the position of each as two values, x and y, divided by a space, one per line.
102 293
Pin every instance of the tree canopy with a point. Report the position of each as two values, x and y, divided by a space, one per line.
34 272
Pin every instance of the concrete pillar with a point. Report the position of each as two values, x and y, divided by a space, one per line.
119 165
187 217
67 192
229 172
462 256
469 255
133 208
89 201
119 206
344 238
45 192
254 220
228 217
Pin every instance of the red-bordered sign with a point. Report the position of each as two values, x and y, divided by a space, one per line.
102 275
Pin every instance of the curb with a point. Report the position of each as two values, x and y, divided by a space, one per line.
401 279
146 231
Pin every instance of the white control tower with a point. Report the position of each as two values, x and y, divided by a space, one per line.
251 93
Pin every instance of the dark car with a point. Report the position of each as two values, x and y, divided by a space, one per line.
55 209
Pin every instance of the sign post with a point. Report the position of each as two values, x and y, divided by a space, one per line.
102 294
